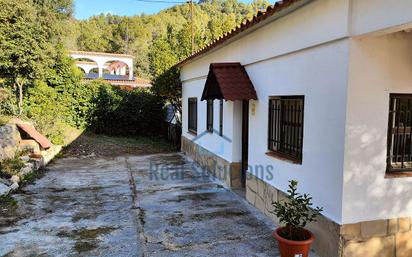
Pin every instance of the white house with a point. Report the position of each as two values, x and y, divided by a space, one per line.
116 69
319 91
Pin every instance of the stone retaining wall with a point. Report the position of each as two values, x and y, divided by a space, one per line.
389 238
380 238
9 141
228 172
36 158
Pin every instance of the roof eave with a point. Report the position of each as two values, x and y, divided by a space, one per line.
226 40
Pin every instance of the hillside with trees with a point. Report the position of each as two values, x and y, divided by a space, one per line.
40 83
160 40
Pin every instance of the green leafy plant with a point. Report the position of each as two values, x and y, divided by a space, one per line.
8 104
169 87
10 167
7 200
131 113
295 212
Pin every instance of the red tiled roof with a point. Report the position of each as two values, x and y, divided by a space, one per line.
143 81
101 54
86 62
259 17
228 81
116 65
137 80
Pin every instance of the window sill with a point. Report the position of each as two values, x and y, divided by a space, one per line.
192 132
398 174
282 157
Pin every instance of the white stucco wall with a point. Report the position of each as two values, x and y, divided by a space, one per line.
375 15
304 53
378 66
316 23
102 60
320 74
346 84
222 146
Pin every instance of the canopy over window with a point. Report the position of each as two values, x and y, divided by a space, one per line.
228 81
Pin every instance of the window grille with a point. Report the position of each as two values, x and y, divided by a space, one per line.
286 126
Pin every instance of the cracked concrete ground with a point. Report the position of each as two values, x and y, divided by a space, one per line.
154 205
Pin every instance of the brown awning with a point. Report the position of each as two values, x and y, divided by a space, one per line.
228 81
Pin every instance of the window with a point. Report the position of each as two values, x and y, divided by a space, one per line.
221 118
192 119
209 115
286 127
399 154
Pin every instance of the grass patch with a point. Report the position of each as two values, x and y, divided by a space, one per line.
10 167
153 143
30 178
7 200
4 120
111 146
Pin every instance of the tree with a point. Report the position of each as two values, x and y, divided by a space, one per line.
168 86
95 35
161 57
140 35
25 46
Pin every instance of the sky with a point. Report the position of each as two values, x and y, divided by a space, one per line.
87 8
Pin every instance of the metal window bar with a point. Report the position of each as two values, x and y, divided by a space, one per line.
399 133
286 126
209 115
221 118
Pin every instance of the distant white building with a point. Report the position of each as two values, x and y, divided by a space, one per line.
117 69
319 91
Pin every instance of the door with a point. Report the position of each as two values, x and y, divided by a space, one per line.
245 140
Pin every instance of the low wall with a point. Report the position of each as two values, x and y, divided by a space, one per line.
388 237
9 141
379 238
228 172
10 145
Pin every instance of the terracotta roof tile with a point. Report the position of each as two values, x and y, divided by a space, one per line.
259 17
101 54
228 81
33 133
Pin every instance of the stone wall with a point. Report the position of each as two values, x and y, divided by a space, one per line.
228 172
380 238
34 158
9 141
386 238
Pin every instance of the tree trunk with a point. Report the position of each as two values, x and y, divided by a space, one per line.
20 88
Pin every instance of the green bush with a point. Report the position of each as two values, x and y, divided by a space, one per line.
79 100
131 113
96 105
8 105
43 107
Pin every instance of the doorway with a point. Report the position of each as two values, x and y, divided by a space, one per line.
245 141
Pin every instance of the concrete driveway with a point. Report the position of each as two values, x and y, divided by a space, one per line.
155 205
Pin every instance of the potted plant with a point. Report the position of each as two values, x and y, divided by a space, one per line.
295 212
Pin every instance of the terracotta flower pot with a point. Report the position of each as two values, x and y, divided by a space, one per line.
290 248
